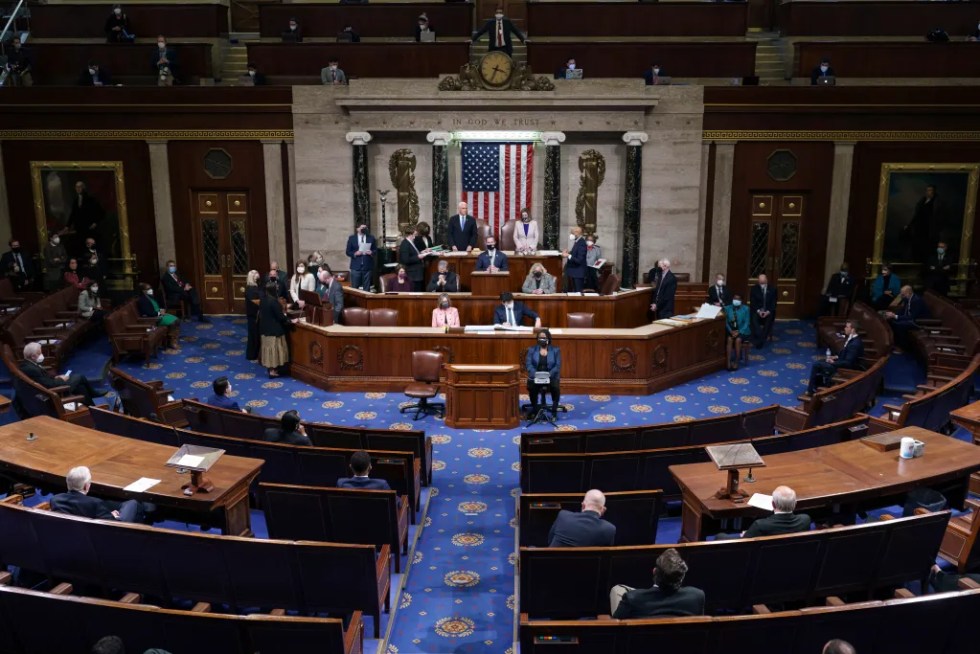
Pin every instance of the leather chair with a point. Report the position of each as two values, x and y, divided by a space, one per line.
426 366
356 317
580 320
507 235
384 317
385 281
482 232
611 285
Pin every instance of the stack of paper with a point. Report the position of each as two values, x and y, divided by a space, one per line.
760 501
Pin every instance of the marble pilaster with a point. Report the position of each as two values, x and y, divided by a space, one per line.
551 223
840 196
275 211
629 268
440 185
721 206
700 253
162 203
291 169
360 186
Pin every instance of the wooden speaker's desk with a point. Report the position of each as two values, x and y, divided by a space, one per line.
968 417
491 284
482 396
116 462
519 265
846 474
634 361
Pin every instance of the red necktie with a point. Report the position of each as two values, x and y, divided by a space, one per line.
500 32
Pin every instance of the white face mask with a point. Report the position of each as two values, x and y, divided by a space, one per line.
292 27
150 292
94 289
301 270
590 243
571 237
656 70
40 359
823 69
333 67
498 16
56 240
117 11
571 66
251 73
91 71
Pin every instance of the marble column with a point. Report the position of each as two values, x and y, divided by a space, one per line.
703 228
630 265
551 223
840 197
721 207
293 213
275 209
440 185
5 234
162 203
362 190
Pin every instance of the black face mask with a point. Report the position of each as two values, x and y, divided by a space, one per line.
15 250
491 248
538 275
444 305
543 342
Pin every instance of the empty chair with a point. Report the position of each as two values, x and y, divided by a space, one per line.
426 365
611 285
384 317
581 320
356 317
385 281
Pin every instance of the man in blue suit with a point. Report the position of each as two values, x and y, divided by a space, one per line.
220 399
462 230
576 260
762 302
493 260
513 313
584 529
361 248
543 358
360 465
663 296
903 319
849 357
77 501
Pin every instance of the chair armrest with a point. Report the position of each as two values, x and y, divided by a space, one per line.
973 504
833 600
77 399
892 409
354 636
885 516
157 385
603 616
932 322
62 589
5 578
760 609
965 583
201 607
130 598
903 593
13 499
43 506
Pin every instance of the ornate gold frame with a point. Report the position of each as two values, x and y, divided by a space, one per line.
40 216
969 206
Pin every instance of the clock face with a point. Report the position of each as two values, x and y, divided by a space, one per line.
495 69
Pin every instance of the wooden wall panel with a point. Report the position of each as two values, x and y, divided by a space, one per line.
875 18
631 59
626 19
146 20
889 59
368 20
127 63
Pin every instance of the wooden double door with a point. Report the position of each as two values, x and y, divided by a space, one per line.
776 247
223 247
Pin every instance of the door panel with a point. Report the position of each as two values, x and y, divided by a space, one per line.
221 236
776 247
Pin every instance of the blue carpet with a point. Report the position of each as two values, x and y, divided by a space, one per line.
458 593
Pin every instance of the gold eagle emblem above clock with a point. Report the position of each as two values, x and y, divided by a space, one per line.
495 70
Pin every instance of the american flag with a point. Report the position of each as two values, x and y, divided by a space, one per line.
497 181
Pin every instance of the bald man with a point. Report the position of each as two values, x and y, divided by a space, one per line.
782 520
838 646
462 230
584 529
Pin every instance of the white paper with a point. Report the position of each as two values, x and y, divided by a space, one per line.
513 328
70 406
760 501
190 461
477 329
141 485
574 293
364 247
833 298
548 253
708 311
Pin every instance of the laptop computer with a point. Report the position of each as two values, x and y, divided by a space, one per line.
827 80
661 81
574 74
427 37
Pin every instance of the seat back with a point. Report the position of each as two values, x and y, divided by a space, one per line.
581 320
427 366
611 285
356 317
636 515
385 281
384 317
507 235
483 230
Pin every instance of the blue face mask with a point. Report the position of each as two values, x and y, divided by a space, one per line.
172 269
736 303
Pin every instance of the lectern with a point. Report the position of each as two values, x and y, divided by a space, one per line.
482 396
733 458
488 283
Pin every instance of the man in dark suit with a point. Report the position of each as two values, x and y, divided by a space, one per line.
361 248
493 260
500 30
849 357
839 287
410 258
718 293
576 260
252 76
77 501
221 387
903 319
939 268
654 75
95 75
16 256
586 528
290 431
164 62
783 520
663 296
360 465
513 313
444 281
77 384
823 70
331 292
178 290
665 598
280 278
462 230
293 34
762 302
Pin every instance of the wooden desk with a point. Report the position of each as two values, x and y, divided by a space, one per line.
875 18
116 462
845 473
482 396
5 403
491 284
127 63
395 19
617 361
67 21
968 417
695 58
519 266
890 58
619 19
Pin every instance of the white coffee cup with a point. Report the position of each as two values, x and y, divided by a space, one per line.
907 448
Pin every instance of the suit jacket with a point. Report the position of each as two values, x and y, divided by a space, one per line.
328 76
7 260
451 285
936 268
499 260
546 284
878 286
663 295
520 313
173 286
363 263
87 80
778 523
276 435
80 504
649 78
851 354
462 237
253 80
524 242
817 73
223 402
768 302
581 529
334 294
651 602
575 267
363 482
447 318
408 256
490 27
910 310
837 287
145 307
169 54
281 283
725 297
272 321
39 375
740 317
533 358
292 36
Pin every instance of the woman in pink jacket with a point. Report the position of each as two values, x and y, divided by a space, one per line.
445 315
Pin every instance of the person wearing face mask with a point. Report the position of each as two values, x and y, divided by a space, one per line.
117 28
361 248
273 325
423 240
538 281
575 260
180 290
654 275
95 75
74 277
164 62
738 328
562 71
331 293
302 280
90 304
939 269
410 257
221 396
148 307
293 34
526 234
492 260
55 256
903 319
762 302
401 283
23 260
332 75
77 384
444 281
885 288
500 29
279 278
718 293
840 287
423 30
253 297
543 357
823 70
252 76
663 296
655 75
512 313
593 253
445 315
19 65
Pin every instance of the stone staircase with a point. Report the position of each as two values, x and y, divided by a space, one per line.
770 63
236 57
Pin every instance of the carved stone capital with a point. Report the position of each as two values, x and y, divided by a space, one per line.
635 138
553 138
358 138
439 138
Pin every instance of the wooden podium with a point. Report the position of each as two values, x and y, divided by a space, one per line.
488 283
482 396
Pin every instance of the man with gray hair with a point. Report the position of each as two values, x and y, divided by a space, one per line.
78 502
77 384
783 520
663 296
665 598
584 529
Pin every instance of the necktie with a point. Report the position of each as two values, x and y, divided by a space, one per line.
79 199
20 262
763 297
510 316
462 221
500 32
362 239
